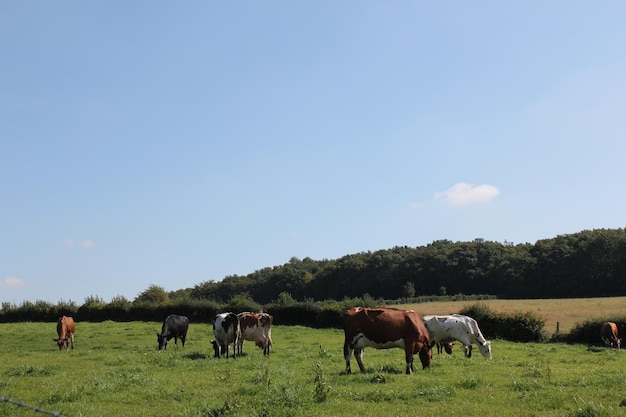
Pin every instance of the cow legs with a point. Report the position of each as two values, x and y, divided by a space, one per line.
468 350
358 354
347 354
408 353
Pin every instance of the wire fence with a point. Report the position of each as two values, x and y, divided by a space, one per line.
35 409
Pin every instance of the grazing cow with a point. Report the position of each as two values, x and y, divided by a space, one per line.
608 332
65 329
256 328
173 326
226 330
446 329
384 328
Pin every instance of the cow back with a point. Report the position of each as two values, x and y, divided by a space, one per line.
382 325
248 321
175 324
65 327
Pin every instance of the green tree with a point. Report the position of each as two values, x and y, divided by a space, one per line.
154 294
408 290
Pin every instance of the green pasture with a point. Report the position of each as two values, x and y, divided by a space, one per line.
116 370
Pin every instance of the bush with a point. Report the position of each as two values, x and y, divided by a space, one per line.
516 326
588 332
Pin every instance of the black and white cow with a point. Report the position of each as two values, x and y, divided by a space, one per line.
446 329
226 330
173 326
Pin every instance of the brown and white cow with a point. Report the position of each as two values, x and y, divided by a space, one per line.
608 332
65 329
256 327
383 328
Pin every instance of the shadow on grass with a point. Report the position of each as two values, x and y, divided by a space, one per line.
385 369
196 356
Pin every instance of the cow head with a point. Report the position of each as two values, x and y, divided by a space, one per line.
485 349
617 343
62 343
425 357
425 352
162 341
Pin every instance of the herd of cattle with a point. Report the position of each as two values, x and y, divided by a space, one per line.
380 328
227 328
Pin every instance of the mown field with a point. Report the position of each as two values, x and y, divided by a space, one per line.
567 312
115 369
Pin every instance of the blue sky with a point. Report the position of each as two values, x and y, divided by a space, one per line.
150 143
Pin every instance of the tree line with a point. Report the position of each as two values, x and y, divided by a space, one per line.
590 263
315 293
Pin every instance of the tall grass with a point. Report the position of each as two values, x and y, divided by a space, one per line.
116 369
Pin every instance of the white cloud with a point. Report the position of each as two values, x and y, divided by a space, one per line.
463 194
70 244
12 282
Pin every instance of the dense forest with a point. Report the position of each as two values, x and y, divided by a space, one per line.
584 264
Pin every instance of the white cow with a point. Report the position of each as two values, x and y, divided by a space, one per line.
445 329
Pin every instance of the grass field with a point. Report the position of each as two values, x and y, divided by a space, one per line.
567 311
115 369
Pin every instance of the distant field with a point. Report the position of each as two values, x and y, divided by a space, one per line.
567 312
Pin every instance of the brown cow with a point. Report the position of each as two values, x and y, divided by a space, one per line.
384 328
65 329
257 328
608 332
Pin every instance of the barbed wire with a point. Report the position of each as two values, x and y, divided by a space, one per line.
35 409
